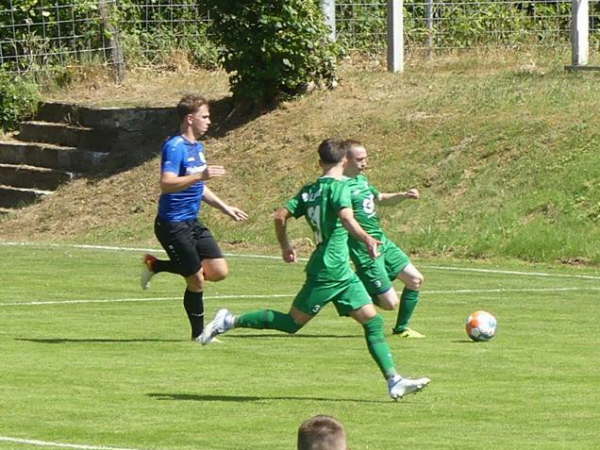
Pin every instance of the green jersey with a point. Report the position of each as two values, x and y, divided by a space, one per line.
363 204
320 203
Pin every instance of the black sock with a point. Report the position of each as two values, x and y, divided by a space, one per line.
161 265
194 307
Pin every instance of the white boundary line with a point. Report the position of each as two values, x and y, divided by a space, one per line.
432 292
141 299
237 255
57 444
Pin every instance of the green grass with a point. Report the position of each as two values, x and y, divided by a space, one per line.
502 146
124 374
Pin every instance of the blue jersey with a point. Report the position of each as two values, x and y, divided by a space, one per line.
182 157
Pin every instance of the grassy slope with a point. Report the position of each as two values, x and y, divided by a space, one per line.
503 150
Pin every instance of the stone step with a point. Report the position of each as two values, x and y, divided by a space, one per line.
102 140
128 119
50 156
23 176
12 197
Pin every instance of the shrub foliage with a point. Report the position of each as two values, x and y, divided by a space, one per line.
272 48
19 99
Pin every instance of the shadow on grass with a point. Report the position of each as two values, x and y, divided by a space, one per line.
92 340
294 336
249 398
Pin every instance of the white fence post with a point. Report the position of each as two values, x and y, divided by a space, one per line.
328 7
580 17
395 36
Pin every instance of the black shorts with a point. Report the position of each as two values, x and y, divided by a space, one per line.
187 244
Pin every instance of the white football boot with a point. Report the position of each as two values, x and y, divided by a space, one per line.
398 387
224 321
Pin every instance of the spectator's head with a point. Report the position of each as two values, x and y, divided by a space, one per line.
321 433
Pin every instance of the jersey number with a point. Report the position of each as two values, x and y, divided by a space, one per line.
369 205
314 215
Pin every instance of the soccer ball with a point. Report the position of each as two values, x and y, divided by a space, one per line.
481 326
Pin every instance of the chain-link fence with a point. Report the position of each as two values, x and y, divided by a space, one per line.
36 35
435 25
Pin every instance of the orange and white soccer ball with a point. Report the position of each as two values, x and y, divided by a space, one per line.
481 326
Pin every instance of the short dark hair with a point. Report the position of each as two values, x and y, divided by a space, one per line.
349 144
189 104
321 432
331 151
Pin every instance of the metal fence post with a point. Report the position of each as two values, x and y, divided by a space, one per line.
395 36
580 17
328 7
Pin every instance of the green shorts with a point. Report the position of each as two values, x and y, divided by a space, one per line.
346 296
377 274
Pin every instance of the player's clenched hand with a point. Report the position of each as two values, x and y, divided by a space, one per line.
212 172
412 193
373 247
289 254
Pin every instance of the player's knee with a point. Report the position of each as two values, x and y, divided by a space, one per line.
217 275
415 282
387 304
215 272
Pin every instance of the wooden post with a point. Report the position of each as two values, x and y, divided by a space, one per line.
430 28
395 36
118 61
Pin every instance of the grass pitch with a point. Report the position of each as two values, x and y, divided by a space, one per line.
89 359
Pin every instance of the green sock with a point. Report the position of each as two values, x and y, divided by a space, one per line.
408 303
269 319
378 346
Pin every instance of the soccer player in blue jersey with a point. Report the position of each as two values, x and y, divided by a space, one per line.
192 249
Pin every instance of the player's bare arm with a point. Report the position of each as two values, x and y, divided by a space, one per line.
171 182
350 223
391 198
213 200
280 217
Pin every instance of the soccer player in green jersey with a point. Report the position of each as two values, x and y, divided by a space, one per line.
327 207
378 274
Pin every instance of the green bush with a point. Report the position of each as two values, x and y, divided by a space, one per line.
272 48
19 99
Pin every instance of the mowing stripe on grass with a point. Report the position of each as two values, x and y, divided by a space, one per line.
57 444
239 255
216 297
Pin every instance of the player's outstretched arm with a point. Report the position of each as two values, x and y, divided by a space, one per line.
213 200
391 198
280 217
350 223
171 182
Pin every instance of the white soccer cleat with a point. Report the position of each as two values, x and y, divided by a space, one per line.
147 270
223 321
399 387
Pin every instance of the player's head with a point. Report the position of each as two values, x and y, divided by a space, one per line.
331 153
194 114
322 433
356 155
